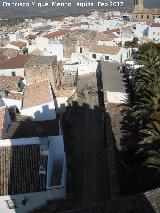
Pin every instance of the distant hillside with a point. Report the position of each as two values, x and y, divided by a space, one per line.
54 11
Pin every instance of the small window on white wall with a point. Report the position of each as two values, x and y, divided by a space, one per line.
94 56
11 204
107 58
13 74
81 51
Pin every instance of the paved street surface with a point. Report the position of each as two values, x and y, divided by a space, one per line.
86 136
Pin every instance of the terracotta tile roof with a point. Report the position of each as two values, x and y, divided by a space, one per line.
56 34
2 113
116 30
24 127
32 36
2 58
15 62
36 94
111 50
9 83
41 60
19 166
64 93
37 52
10 52
105 36
155 25
19 44
15 95
2 50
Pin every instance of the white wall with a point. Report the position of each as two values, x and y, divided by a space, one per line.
34 200
154 33
54 49
19 141
50 48
123 52
87 68
42 43
61 103
8 72
12 46
56 155
12 102
31 48
41 112
139 31
123 39
116 57
13 37
116 97
157 20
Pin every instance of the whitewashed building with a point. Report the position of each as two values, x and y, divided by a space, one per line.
113 85
38 101
109 53
49 47
153 31
35 174
18 45
13 99
50 43
139 29
13 37
14 66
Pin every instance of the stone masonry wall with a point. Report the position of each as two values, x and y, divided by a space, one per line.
41 72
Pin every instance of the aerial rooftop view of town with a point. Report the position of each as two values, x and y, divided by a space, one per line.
80 110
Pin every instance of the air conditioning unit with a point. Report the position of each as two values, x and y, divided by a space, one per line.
44 145
42 170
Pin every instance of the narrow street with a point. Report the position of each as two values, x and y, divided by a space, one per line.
89 156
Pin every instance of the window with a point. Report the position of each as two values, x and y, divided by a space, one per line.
11 204
13 74
94 56
153 17
142 16
107 58
147 16
121 59
81 50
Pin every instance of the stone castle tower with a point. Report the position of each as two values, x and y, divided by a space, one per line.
140 13
138 5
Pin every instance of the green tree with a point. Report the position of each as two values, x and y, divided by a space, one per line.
146 105
153 159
